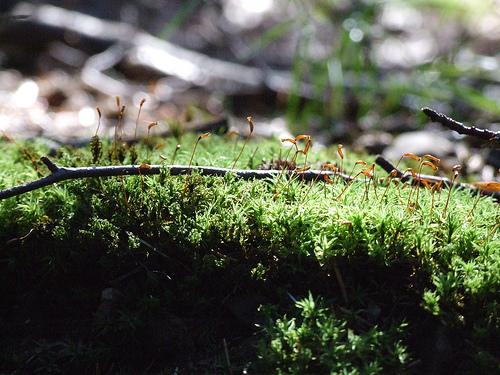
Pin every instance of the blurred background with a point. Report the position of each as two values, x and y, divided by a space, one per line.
355 72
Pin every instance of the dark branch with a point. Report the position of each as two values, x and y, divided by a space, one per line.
63 173
460 128
388 167
52 167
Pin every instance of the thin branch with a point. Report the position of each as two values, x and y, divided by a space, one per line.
388 167
52 167
485 134
66 173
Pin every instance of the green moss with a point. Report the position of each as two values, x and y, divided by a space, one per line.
320 342
192 258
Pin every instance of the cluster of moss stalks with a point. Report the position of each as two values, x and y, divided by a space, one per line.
192 274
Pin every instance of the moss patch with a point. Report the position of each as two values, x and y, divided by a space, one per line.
162 273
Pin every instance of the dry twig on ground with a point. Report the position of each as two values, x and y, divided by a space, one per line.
388 167
59 174
485 134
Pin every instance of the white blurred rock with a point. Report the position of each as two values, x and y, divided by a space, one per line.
420 143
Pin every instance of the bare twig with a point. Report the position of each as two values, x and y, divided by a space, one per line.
66 173
460 128
388 167
52 167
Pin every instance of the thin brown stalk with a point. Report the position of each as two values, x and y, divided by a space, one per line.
422 164
251 125
99 116
389 178
143 100
456 172
175 153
